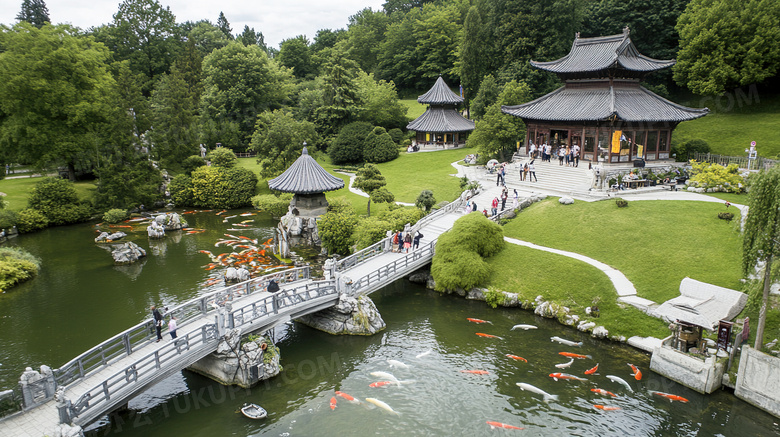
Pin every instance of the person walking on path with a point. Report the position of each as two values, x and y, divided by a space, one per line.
494 206
158 319
532 172
504 196
516 201
407 242
499 175
561 153
172 327
474 206
417 239
576 152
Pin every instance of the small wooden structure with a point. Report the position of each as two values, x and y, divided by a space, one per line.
687 336
441 125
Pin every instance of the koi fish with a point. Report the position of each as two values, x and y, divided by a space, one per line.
573 355
381 405
333 403
620 381
388 376
476 372
212 281
523 327
470 319
246 238
192 232
557 376
247 214
120 226
565 365
488 335
247 221
602 392
188 212
205 251
565 342
428 352
380 384
494 425
637 374
231 236
669 396
230 217
515 357
547 396
605 408
346 396
221 212
241 224
396 363
211 266
592 370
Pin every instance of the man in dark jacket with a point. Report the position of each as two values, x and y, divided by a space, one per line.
158 319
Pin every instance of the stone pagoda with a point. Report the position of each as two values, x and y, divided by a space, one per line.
441 125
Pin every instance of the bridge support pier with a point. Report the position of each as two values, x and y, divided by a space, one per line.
351 316
241 363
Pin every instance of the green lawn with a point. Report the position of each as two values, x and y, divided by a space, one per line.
575 284
734 121
654 243
17 191
414 109
411 173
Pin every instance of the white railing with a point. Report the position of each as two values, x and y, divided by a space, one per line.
401 265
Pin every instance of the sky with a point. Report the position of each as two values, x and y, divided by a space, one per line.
276 19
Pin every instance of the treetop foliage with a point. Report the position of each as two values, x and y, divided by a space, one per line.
34 12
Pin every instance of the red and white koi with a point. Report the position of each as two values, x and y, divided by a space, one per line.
515 357
592 370
476 372
347 397
637 374
481 334
669 396
494 425
557 376
333 403
602 392
380 384
606 408
573 355
473 320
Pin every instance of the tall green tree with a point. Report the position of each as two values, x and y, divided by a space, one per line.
497 133
55 92
34 12
761 240
278 141
370 180
486 96
239 83
251 38
476 55
379 103
224 25
365 32
726 44
340 93
207 37
294 54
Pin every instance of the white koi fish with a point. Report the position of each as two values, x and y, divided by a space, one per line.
621 381
381 405
396 363
386 376
523 327
428 352
563 341
547 396
565 365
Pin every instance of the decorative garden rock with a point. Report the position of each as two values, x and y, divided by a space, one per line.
155 230
586 326
351 316
241 361
600 332
105 237
127 253
240 274
565 200
171 221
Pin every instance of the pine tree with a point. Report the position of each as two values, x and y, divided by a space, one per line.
34 12
224 25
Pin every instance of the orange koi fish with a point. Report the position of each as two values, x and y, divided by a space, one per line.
573 355
346 396
211 266
605 408
221 212
231 236
247 214
205 251
592 370
212 281
488 335
515 357
669 396
637 374
477 320
269 241
120 226
380 384
603 392
494 425
188 212
333 402
241 225
476 372
557 376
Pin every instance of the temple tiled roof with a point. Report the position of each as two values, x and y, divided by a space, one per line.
628 103
305 176
603 52
440 94
441 120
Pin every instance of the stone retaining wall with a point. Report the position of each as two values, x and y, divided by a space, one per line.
704 376
757 381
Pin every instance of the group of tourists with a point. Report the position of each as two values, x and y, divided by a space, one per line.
403 241
158 320
569 156
528 171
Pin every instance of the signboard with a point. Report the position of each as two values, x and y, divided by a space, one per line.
724 334
746 329
616 141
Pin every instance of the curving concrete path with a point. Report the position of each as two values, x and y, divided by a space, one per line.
361 193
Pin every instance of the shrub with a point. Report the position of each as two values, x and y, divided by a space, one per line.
425 200
684 150
621 203
396 134
191 163
479 234
494 297
115 215
31 220
222 157
275 205
369 230
347 147
57 200
336 229
181 190
726 216
8 219
220 187
399 217
379 147
715 176
16 265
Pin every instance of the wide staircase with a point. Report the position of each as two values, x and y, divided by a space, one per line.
553 177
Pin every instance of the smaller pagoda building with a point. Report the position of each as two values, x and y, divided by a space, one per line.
309 182
602 107
441 125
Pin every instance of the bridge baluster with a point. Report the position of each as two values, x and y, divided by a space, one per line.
105 390
126 341
157 359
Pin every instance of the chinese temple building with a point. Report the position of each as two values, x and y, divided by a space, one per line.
602 106
441 125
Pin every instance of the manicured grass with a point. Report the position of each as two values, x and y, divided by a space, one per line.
251 164
414 109
411 173
654 243
566 281
734 121
740 199
17 190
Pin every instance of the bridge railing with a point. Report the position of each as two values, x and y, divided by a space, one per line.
124 343
379 248
271 305
381 274
145 369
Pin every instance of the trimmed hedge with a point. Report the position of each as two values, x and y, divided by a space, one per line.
275 205
220 187
379 147
57 200
16 265
348 145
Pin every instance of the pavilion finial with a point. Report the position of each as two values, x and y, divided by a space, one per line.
626 31
305 151
577 35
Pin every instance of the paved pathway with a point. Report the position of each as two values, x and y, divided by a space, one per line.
362 193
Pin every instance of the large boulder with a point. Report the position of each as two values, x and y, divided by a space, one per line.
241 361
127 253
105 237
155 230
350 316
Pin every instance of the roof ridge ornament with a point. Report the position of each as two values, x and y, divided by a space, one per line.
576 35
626 31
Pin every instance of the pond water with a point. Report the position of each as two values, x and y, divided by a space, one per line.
80 298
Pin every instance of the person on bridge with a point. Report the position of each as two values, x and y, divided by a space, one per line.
273 286
158 319
407 242
172 327
417 239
